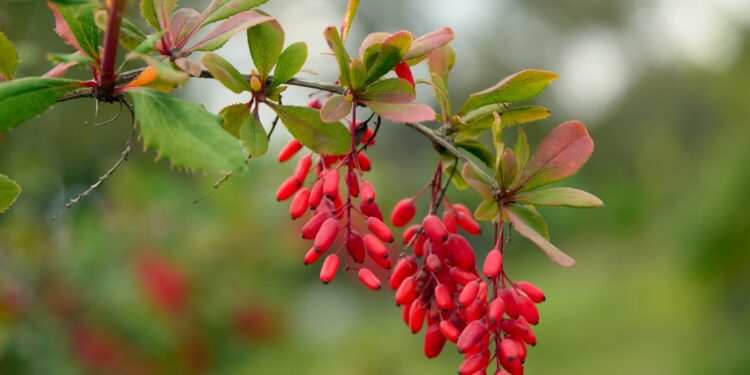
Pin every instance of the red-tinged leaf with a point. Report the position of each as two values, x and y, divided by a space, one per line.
371 40
218 10
441 61
425 44
76 25
184 24
477 181
560 197
518 87
526 222
62 28
391 53
560 155
390 90
402 112
346 23
218 36
334 41
336 108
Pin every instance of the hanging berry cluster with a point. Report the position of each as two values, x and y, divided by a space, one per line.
334 216
436 279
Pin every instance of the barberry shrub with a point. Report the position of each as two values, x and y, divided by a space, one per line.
442 284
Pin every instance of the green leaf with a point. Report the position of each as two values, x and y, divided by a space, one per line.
560 155
265 41
477 181
185 132
290 63
511 116
451 170
346 22
162 10
442 96
239 121
560 197
71 2
515 88
75 24
336 108
339 51
528 223
487 210
508 168
393 51
24 98
225 72
148 44
521 149
402 112
8 58
9 192
164 69
497 133
130 34
218 10
479 150
225 30
390 90
330 138
358 74
73 58
147 11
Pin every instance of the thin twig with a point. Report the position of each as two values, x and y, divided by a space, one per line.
220 182
113 119
106 176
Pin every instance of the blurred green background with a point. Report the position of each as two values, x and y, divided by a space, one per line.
662 284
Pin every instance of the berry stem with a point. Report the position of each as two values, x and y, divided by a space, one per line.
106 84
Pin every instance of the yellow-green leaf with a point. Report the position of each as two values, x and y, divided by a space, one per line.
9 192
339 52
330 138
266 41
487 210
290 63
8 58
225 72
560 197
515 88
528 223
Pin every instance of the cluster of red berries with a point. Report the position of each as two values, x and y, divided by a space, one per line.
333 215
438 283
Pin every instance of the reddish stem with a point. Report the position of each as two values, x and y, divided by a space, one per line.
106 81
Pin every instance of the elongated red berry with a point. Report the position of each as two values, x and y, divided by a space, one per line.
356 246
434 228
302 169
371 210
475 311
467 223
493 263
510 302
416 316
410 232
496 310
331 183
471 336
443 297
326 235
311 228
289 150
474 363
369 279
449 330
468 294
312 256
384 263
287 189
526 308
403 212
353 183
369 137
329 268
375 247
461 251
513 328
299 204
434 341
403 71
531 290
367 191
461 276
365 165
405 267
316 194
407 291
450 221
379 229
433 263
508 350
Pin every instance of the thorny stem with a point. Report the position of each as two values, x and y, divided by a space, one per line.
108 77
105 177
350 158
